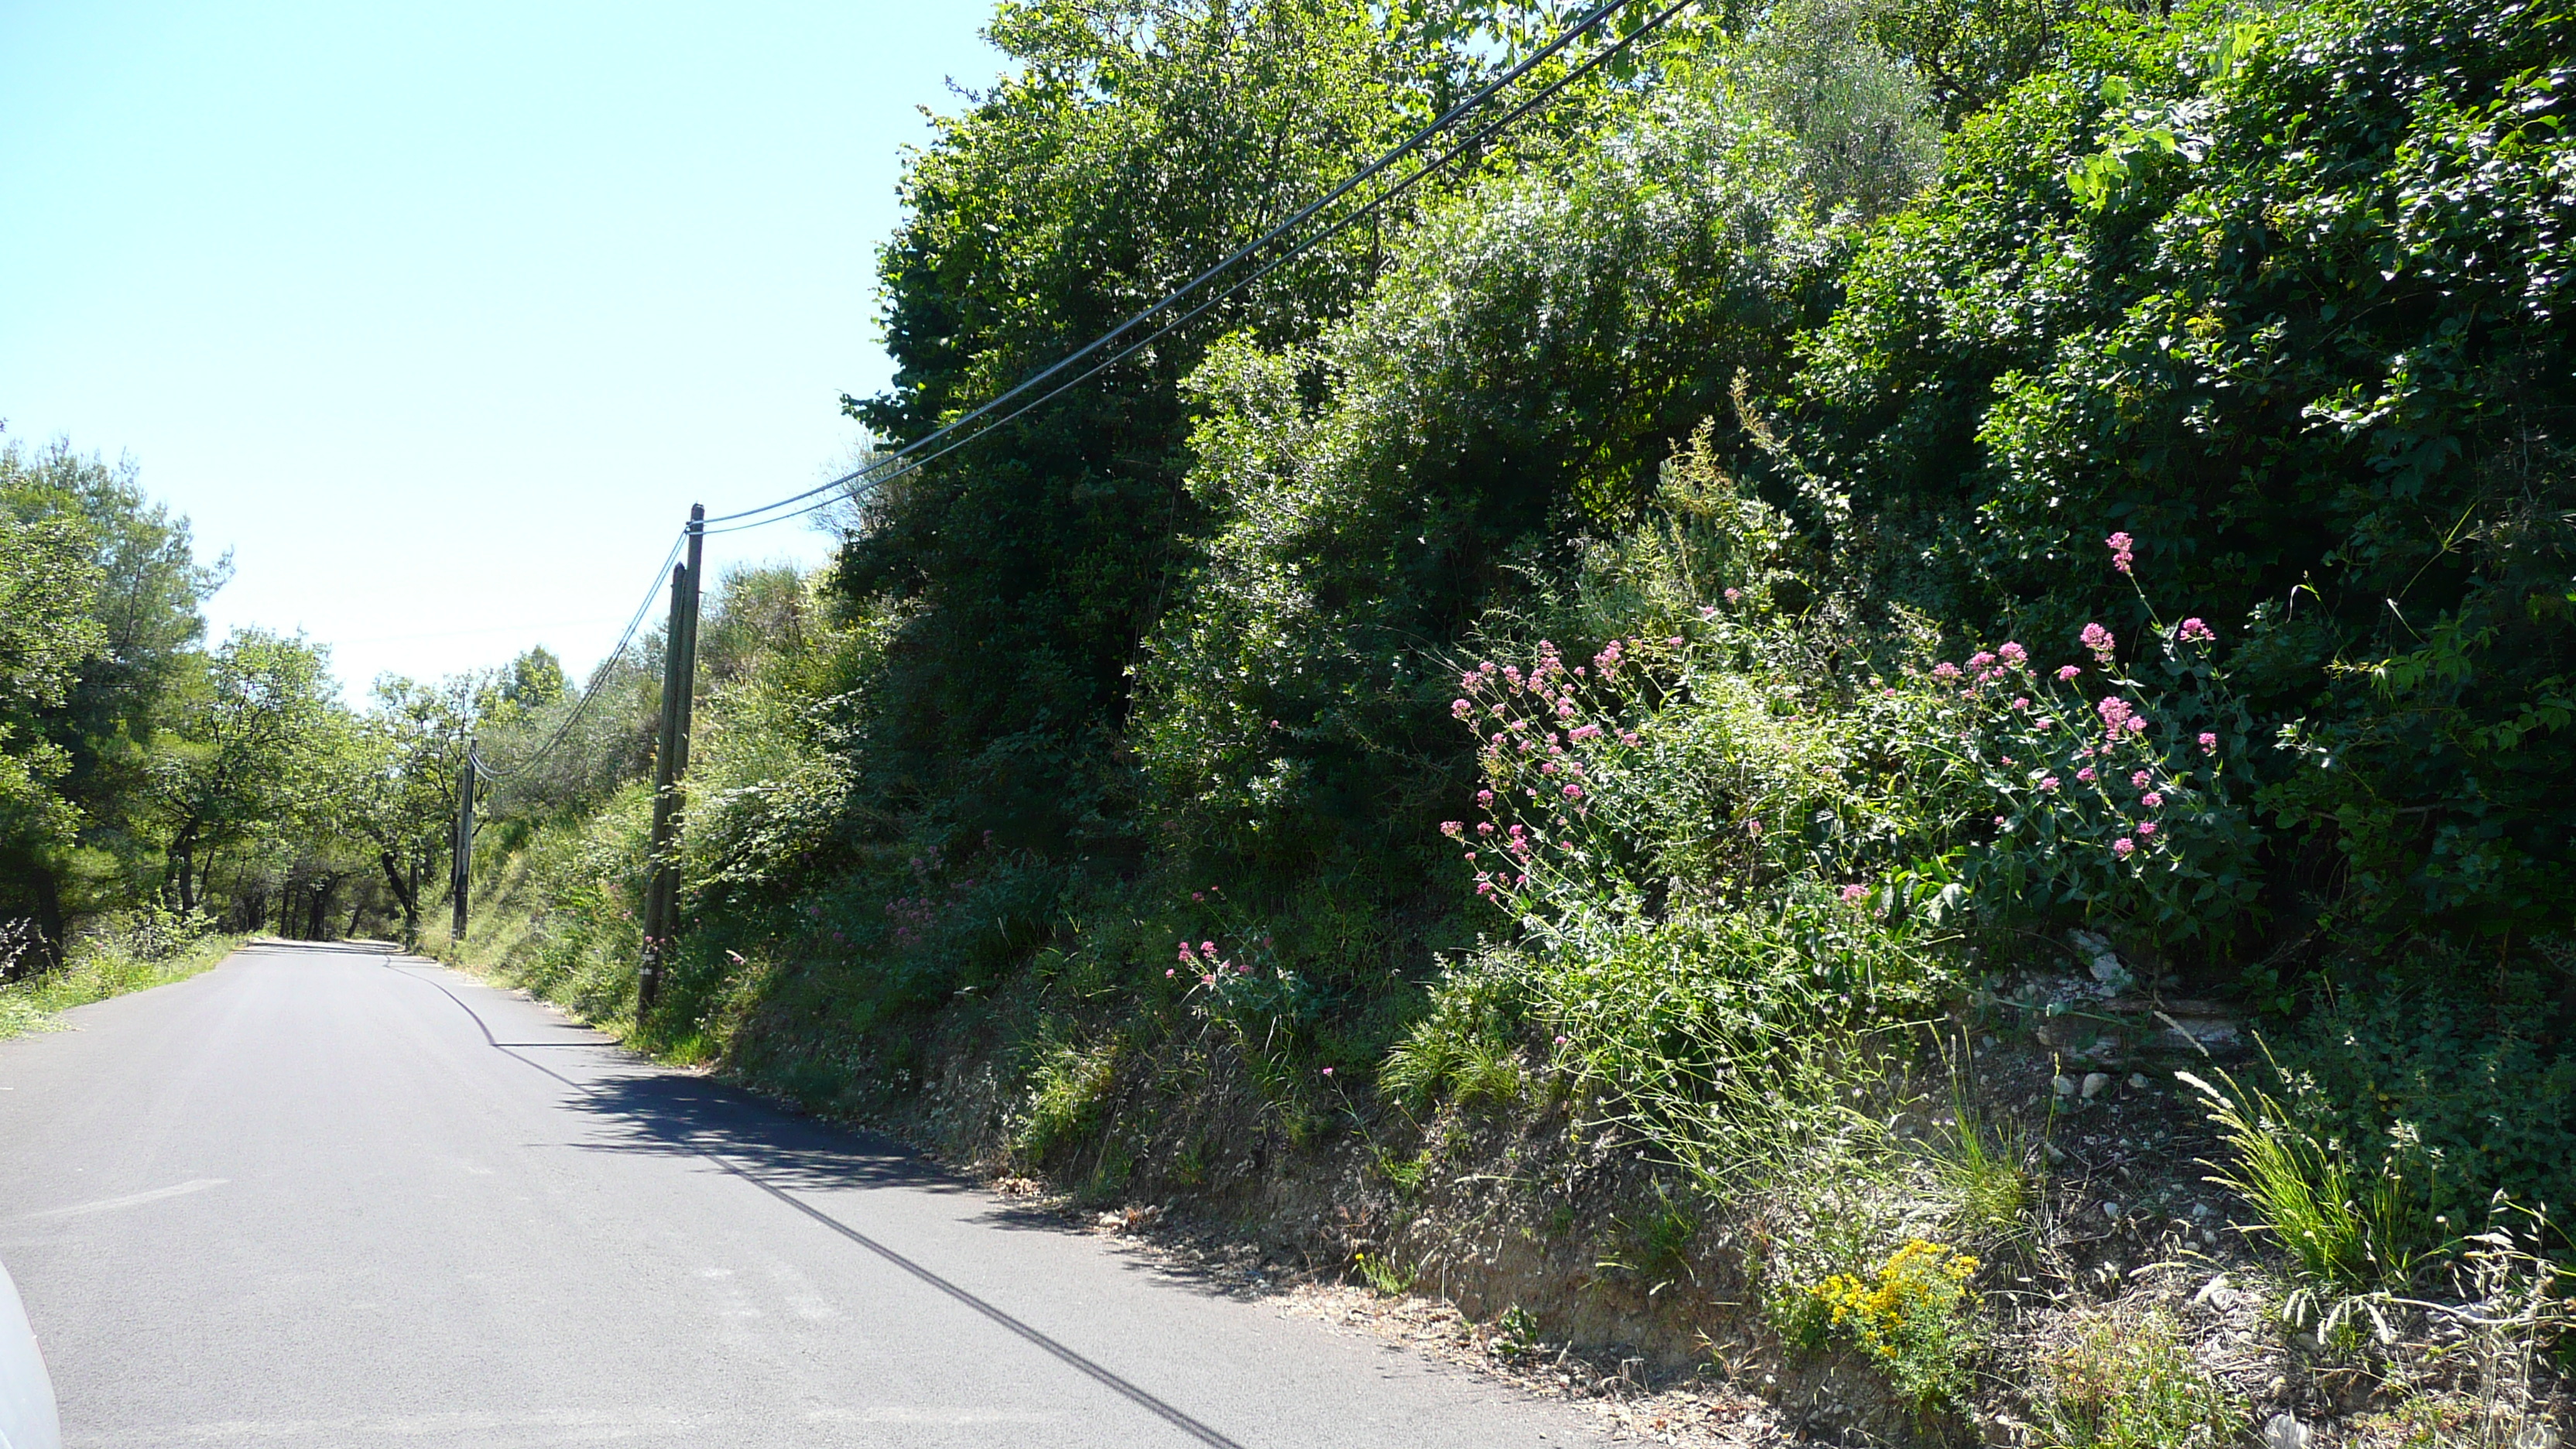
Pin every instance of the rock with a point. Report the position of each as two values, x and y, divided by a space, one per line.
2138 1082
2094 1082
2286 1432
2064 1086
2535 1436
2111 1210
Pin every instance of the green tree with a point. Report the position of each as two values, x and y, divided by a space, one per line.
249 749
136 634
48 585
1140 142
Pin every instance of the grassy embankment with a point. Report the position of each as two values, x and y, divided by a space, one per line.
99 970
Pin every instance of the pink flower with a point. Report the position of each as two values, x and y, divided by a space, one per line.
1753 825
1981 660
2122 551
1548 768
2197 631
1452 828
1460 709
1484 797
1198 895
2208 743
2099 640
1945 671
2014 655
2123 846
2114 711
2137 724
2152 800
2146 827
2139 780
2020 704
2085 774
2044 722
2066 673
1169 971
1209 980
1676 641
1572 792
1999 820
1484 827
1206 948
1560 1041
1855 892
1628 737
1520 880
2049 784
1708 611
1328 1071
1733 595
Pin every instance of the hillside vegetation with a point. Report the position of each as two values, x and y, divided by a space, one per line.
1719 692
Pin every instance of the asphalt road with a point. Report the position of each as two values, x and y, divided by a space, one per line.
322 1196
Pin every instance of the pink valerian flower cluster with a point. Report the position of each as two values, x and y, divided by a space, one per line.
2197 631
1544 733
2124 555
2100 641
1213 969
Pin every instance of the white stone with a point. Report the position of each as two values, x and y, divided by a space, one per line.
2064 1086
2286 1432
2094 1082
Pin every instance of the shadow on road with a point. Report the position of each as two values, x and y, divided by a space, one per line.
653 1110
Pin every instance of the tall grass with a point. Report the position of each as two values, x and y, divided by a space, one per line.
2345 1229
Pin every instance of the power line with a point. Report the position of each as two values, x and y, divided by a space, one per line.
598 675
902 465
1305 213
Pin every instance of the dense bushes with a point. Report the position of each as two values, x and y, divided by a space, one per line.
2282 298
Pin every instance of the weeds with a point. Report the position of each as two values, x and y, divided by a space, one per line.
2127 1380
1655 1248
1066 1089
1383 1277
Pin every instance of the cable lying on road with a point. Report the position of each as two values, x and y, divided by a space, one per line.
1035 1337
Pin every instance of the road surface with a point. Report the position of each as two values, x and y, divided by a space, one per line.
324 1196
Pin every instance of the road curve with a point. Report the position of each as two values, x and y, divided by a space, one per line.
325 1196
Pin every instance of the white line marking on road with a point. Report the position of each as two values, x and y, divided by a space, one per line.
133 1200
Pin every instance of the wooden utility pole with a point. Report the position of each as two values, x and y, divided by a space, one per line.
671 761
460 880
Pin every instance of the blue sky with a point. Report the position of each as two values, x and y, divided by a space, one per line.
440 316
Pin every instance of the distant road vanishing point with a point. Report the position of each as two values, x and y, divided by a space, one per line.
327 1196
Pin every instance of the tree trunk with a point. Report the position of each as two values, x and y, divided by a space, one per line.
186 849
49 915
406 896
321 913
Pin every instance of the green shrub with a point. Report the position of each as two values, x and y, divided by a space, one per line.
1914 1316
2475 1080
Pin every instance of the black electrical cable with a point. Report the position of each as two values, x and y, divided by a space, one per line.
598 676
903 465
1406 148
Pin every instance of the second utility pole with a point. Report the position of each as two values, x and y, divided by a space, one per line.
670 763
